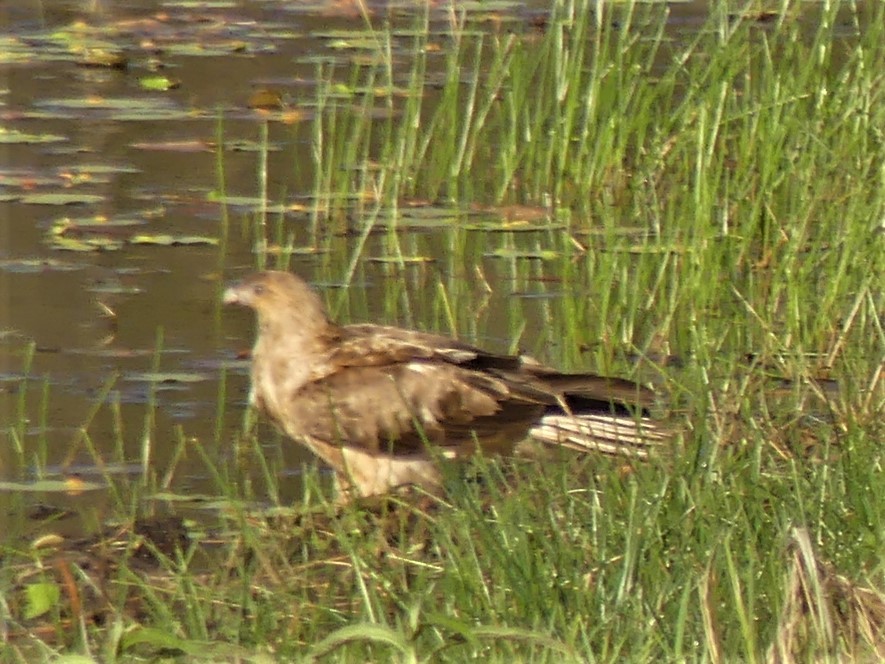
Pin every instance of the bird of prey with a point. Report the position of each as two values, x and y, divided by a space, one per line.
381 405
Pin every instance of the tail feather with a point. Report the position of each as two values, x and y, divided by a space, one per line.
609 434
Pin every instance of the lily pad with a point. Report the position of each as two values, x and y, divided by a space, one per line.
98 221
305 250
266 98
102 57
139 109
30 265
97 243
61 198
8 136
98 169
13 50
396 260
252 203
172 240
512 226
158 83
71 485
538 254
245 145
175 146
107 103
95 233
422 217
167 377
218 48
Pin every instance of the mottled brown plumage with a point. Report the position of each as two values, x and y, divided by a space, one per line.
379 404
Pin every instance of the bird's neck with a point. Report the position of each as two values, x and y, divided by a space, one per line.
287 355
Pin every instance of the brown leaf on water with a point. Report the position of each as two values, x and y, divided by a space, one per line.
514 212
102 58
265 98
194 145
292 115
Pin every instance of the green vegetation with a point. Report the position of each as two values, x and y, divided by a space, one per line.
714 206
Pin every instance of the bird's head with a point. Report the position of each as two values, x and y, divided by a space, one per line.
280 297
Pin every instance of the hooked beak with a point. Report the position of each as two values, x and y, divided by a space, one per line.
233 295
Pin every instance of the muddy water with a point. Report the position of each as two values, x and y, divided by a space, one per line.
84 331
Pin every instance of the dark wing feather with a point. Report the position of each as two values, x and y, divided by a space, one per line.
399 408
369 345
594 393
361 345
580 391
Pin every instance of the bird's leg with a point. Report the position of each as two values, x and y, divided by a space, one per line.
345 492
250 420
560 398
248 429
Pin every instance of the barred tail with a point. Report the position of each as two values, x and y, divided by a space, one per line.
617 435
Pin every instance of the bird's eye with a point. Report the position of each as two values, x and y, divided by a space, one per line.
258 289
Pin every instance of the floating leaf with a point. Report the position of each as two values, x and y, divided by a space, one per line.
29 265
539 254
519 213
172 240
97 169
95 233
121 108
218 48
97 243
427 211
265 98
59 198
252 203
158 83
102 57
75 485
422 217
291 115
144 103
245 145
98 221
202 499
396 260
512 226
13 50
8 136
167 377
367 43
306 250
175 146
155 115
